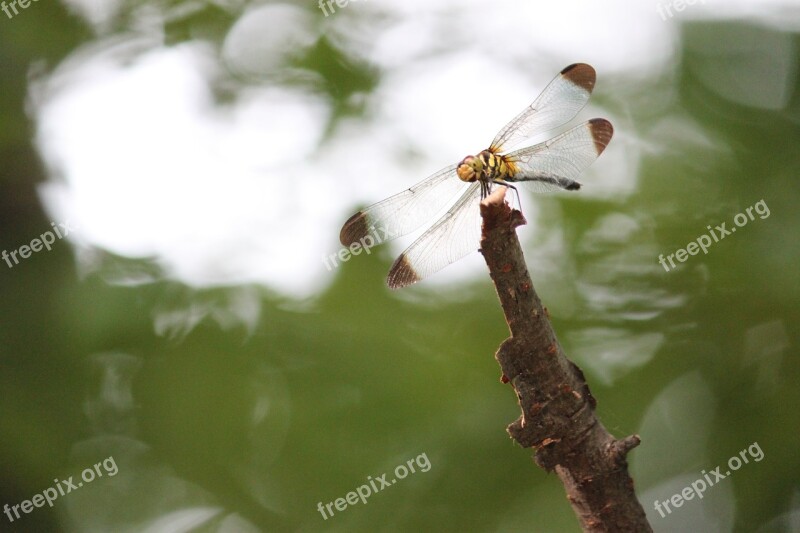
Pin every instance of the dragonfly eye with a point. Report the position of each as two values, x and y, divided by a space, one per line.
469 168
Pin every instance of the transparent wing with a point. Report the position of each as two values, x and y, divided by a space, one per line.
406 211
559 102
555 164
453 236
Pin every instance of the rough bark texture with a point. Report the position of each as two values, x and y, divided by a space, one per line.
558 417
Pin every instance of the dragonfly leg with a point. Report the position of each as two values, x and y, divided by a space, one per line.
506 184
486 188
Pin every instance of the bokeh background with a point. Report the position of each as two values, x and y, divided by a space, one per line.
205 155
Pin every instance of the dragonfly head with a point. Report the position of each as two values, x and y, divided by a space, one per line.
470 168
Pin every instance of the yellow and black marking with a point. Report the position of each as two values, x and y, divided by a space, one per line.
488 168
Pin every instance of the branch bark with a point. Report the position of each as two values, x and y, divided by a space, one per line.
558 417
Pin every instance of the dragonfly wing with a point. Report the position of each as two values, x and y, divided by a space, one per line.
555 164
559 102
406 211
453 236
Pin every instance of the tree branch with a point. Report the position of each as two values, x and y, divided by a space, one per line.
558 417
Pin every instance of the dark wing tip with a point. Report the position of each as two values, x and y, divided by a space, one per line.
574 186
354 229
602 131
402 274
581 74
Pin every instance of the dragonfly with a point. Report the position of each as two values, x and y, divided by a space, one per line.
551 165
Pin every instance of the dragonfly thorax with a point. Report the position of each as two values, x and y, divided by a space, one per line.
486 167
